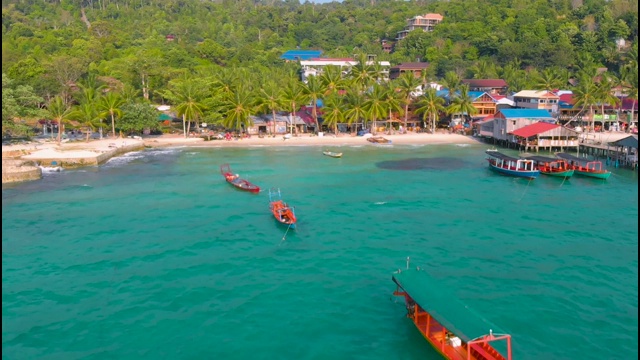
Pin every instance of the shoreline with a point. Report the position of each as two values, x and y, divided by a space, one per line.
306 140
73 154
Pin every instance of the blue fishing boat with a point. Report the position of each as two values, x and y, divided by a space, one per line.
511 166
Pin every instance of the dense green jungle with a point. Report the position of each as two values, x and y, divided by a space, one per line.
99 63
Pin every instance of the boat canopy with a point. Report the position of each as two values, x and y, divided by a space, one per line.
541 159
499 155
570 157
443 306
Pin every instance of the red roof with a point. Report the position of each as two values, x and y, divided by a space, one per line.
568 98
534 129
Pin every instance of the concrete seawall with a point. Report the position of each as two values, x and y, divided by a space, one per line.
23 164
16 170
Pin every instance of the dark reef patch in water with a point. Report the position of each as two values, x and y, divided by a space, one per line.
438 163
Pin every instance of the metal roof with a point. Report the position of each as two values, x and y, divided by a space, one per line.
499 155
434 298
534 129
492 83
301 54
526 113
630 141
541 159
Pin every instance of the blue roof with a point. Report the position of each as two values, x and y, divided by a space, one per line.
301 54
475 94
526 113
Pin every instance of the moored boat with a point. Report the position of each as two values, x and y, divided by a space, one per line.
282 212
511 166
332 154
378 140
551 166
236 181
584 167
453 330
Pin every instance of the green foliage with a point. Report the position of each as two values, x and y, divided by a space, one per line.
136 117
49 47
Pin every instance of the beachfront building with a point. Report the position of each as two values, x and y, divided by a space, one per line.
415 67
315 66
500 127
544 135
284 123
424 22
490 86
537 99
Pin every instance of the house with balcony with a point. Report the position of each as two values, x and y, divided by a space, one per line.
490 86
537 99
315 66
500 126
415 67
425 22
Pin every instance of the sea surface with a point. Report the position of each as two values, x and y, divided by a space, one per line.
154 256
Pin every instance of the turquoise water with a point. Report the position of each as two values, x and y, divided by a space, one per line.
154 256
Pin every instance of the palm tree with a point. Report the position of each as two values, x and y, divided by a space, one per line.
463 103
332 79
293 95
604 95
187 94
632 94
452 82
270 99
239 105
59 112
376 106
314 90
334 112
430 105
407 84
549 80
355 102
361 73
393 100
110 105
585 95
86 113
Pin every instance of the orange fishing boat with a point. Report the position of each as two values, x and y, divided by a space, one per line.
449 326
282 212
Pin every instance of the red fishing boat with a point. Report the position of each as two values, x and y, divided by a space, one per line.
235 180
282 212
449 326
585 167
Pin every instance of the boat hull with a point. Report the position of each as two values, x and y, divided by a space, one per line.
593 174
332 154
515 173
563 174
245 186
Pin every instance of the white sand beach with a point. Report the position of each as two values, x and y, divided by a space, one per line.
309 140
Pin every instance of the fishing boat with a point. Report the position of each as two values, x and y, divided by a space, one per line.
332 154
235 180
454 330
551 166
511 166
378 140
282 212
584 167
